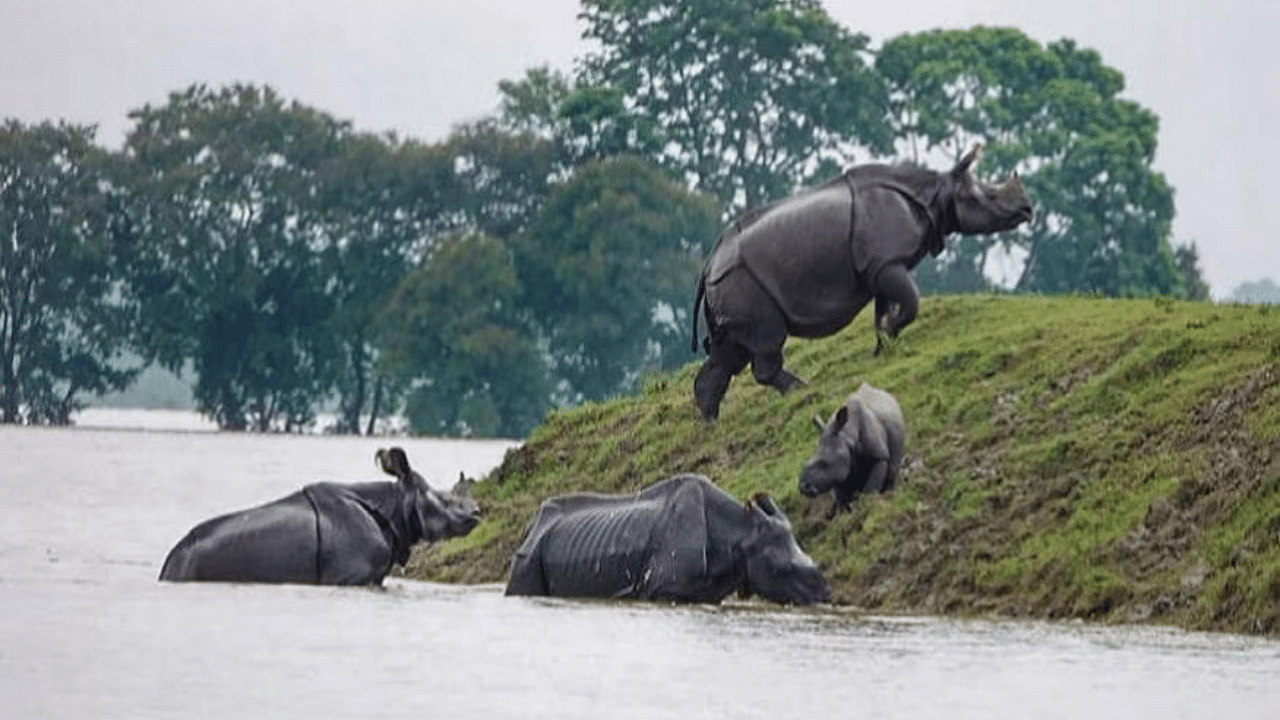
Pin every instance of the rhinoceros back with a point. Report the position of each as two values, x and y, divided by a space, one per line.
877 401
599 551
275 542
799 253
885 408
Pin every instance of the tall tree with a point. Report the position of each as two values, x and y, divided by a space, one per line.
1053 113
609 270
1195 287
499 178
581 121
743 99
227 235
455 336
382 209
65 311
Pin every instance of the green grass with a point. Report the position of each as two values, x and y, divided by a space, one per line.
1066 457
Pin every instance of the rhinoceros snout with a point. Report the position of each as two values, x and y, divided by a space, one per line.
808 487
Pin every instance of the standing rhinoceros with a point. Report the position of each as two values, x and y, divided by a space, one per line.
806 266
859 450
681 539
326 533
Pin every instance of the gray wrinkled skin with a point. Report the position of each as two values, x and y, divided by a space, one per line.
680 540
859 450
326 533
807 265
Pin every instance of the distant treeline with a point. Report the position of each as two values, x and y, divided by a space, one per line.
546 255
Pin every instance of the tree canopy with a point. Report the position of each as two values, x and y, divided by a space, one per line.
608 269
455 336
65 313
226 227
1264 291
743 99
1054 114
548 254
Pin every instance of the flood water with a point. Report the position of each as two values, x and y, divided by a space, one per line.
87 516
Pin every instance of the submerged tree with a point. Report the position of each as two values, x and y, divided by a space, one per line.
609 269
65 311
227 232
455 337
382 208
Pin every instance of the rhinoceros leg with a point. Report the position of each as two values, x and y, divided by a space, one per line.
897 301
765 346
841 496
726 359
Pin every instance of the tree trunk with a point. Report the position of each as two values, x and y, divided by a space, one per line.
374 408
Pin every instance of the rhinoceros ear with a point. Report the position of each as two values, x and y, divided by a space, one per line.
463 487
764 510
763 501
968 161
393 462
842 417
817 422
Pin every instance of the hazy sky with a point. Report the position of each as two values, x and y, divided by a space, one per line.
419 66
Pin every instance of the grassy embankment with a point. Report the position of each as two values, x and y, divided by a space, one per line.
1117 460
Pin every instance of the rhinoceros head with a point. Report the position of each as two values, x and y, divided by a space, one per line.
832 460
777 569
982 208
438 514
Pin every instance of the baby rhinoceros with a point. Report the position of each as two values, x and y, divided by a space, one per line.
859 451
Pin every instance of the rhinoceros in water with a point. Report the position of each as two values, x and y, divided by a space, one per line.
807 265
681 539
326 533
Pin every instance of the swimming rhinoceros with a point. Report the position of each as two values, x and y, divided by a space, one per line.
681 539
860 448
326 533
807 265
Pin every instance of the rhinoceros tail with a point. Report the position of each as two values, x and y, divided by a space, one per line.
697 301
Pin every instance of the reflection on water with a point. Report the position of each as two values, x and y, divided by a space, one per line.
86 631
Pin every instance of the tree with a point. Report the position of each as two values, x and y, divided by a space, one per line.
1260 292
227 233
609 271
497 179
455 337
581 121
382 209
742 99
1053 113
65 312
1193 282
960 269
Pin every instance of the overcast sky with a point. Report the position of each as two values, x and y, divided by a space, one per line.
420 66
